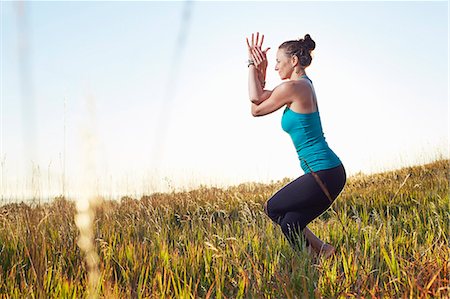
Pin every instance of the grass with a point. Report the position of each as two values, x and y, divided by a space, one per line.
390 231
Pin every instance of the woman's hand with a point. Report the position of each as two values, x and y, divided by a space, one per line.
257 73
255 53
260 59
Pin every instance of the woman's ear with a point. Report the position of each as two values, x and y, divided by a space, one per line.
294 60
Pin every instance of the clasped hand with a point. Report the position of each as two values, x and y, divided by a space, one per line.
256 54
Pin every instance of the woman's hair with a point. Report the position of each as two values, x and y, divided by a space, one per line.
302 48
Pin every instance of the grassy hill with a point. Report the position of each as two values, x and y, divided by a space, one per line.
390 231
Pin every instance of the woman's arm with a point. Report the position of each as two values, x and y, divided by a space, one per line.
260 94
255 87
264 101
280 96
257 71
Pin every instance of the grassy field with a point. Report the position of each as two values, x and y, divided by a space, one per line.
390 231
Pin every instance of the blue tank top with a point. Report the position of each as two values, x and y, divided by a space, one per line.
307 135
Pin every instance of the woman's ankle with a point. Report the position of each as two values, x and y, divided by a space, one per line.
327 250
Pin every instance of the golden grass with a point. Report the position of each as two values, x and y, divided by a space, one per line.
390 231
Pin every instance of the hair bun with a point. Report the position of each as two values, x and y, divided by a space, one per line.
308 43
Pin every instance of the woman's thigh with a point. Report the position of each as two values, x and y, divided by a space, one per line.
305 194
301 194
334 180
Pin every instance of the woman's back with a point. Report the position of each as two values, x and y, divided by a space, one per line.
305 130
304 99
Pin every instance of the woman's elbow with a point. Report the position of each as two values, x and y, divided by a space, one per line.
255 111
255 100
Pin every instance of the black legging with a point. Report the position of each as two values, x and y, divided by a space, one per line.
302 200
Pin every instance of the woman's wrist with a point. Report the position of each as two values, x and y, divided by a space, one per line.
261 78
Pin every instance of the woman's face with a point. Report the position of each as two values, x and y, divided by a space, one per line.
283 65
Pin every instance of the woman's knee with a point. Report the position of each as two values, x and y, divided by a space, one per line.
268 209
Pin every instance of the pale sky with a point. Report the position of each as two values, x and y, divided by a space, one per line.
165 100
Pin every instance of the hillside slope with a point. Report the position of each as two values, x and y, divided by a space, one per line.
390 231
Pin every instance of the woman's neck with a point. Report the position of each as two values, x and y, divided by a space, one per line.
297 74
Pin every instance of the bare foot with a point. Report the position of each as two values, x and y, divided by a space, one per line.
317 293
327 251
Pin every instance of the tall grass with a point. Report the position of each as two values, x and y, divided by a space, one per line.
390 231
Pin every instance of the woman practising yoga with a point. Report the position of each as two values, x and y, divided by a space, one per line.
307 197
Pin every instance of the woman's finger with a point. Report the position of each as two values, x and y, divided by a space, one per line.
262 40
253 44
248 43
255 60
260 53
257 38
254 57
257 55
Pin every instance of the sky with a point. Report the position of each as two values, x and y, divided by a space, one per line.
142 97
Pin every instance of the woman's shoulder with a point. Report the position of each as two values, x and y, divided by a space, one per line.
297 87
295 84
291 85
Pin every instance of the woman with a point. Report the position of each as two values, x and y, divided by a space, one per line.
307 197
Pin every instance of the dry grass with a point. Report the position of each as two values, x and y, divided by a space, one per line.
390 231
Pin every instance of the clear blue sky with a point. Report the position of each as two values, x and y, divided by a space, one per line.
176 114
